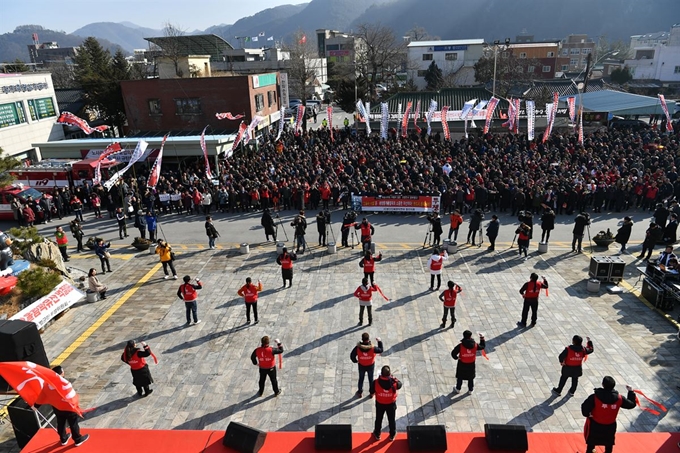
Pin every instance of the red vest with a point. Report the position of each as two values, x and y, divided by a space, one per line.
467 355
523 236
450 296
383 396
265 357
250 293
136 362
369 265
605 414
363 294
365 230
61 239
286 261
189 293
534 291
574 358
436 265
366 358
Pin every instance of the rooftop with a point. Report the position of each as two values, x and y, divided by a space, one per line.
453 42
212 45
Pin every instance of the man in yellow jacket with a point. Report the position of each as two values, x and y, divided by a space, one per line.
164 250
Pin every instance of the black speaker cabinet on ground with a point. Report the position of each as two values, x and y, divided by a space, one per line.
333 437
600 267
426 438
618 268
243 438
652 292
20 340
506 437
25 422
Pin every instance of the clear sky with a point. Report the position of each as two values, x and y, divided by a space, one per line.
189 15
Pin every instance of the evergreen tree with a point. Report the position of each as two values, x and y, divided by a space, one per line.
6 164
434 77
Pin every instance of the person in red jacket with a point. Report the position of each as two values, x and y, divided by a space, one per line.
572 359
187 292
365 295
449 298
466 354
530 290
367 232
285 260
249 294
264 358
135 357
600 410
364 354
368 263
386 387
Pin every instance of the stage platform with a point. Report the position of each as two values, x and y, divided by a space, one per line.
147 441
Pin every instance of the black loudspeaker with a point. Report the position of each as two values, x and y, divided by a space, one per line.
243 438
506 437
20 340
25 422
426 438
333 437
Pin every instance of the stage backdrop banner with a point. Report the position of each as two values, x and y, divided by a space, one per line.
396 203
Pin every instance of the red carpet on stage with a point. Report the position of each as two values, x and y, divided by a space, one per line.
146 441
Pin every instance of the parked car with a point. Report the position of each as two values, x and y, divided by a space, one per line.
621 123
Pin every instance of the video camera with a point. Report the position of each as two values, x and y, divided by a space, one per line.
327 215
350 216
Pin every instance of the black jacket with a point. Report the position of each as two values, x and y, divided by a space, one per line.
572 371
492 228
580 224
604 434
366 347
466 371
623 234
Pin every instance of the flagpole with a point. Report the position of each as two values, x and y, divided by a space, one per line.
43 417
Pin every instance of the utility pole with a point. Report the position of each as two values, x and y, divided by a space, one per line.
589 59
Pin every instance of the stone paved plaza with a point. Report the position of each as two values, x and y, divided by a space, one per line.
205 378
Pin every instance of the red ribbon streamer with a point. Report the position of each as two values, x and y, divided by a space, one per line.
280 361
155 360
381 293
655 403
484 354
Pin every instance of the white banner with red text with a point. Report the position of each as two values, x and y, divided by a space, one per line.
47 308
395 203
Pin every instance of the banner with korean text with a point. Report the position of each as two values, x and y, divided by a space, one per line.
396 203
46 308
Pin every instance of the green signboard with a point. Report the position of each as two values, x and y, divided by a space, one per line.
41 108
12 114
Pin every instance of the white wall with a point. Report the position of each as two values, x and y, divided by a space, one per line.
463 58
16 140
661 67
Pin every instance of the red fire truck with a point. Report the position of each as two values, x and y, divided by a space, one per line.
51 174
9 193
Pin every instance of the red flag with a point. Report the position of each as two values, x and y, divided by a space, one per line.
111 149
303 40
445 123
155 174
36 384
208 173
70 119
239 136
228 116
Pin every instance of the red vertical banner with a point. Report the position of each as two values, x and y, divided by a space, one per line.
208 173
329 113
445 123
404 120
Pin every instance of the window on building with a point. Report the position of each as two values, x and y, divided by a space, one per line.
586 51
259 102
574 61
575 51
522 54
565 67
155 107
547 68
677 70
427 56
565 51
271 98
188 106
531 69
451 56
551 54
519 69
422 72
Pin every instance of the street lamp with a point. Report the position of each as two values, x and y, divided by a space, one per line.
496 45
589 67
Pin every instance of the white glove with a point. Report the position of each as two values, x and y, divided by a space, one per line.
481 334
378 339
278 341
629 388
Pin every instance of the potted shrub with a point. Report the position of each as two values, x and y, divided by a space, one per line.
141 244
603 238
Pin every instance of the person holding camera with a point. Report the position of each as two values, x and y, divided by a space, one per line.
347 223
601 409
437 230
135 357
268 224
263 357
435 264
530 291
164 252
580 223
321 221
475 225
368 263
249 294
187 292
285 260
547 224
466 355
572 359
300 225
523 233
386 387
367 231
364 354
102 251
449 297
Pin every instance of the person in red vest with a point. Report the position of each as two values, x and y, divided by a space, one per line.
435 264
135 357
449 298
285 260
523 233
364 354
386 387
367 231
249 293
264 358
572 360
365 295
466 354
600 410
368 263
62 243
530 290
187 292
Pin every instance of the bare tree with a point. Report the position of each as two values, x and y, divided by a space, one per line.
171 48
510 70
303 68
418 33
604 46
63 75
379 55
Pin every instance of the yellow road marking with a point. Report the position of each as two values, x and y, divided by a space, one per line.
121 256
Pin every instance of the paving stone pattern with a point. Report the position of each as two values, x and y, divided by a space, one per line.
205 378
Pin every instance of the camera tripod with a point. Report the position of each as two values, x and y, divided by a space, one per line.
481 236
329 226
428 236
282 227
589 240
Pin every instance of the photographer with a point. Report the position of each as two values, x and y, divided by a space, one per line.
367 231
527 218
269 226
436 223
475 224
580 223
300 225
348 221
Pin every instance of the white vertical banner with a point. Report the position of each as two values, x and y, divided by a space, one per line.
548 113
136 155
384 118
531 119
